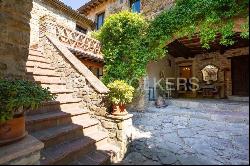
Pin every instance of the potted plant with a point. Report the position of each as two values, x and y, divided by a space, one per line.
16 97
120 94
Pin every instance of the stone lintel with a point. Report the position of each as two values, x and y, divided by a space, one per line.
19 149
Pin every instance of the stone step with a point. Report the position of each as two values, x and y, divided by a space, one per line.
112 150
67 151
46 80
42 72
60 91
35 52
39 65
54 86
51 119
59 134
93 158
53 106
99 137
38 59
66 99
67 155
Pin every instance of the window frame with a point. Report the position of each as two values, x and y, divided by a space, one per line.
131 2
97 19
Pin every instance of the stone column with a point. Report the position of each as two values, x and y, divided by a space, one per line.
14 37
120 131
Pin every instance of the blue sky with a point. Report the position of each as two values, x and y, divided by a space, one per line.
75 4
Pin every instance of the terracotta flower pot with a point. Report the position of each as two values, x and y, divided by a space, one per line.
12 130
119 110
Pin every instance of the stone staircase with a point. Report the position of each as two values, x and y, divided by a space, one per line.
69 134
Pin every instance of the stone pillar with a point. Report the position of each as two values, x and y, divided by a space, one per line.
120 131
14 37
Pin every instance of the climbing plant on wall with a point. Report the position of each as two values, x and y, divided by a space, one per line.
205 17
129 42
123 38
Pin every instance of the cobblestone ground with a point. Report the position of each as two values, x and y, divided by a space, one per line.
160 137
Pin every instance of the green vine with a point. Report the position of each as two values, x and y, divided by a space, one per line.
129 42
205 17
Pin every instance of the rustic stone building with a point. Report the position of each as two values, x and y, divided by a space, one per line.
46 41
186 57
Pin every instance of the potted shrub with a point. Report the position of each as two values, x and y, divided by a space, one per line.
16 97
120 94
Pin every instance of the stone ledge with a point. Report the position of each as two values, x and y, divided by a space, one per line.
19 149
125 117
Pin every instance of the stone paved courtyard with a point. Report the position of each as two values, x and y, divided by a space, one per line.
162 136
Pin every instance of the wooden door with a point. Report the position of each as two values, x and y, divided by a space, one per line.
240 75
185 72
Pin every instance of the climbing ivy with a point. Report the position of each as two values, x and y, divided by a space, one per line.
129 42
123 37
205 17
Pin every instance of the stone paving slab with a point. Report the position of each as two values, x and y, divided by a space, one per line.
160 136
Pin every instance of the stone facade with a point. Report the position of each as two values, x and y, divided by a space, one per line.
14 36
42 8
149 8
170 67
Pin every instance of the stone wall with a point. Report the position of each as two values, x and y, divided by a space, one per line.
104 7
221 61
41 9
149 8
91 99
120 131
14 36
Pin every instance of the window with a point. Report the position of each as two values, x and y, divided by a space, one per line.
97 71
135 6
99 20
80 29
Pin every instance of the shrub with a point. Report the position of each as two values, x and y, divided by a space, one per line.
17 96
120 92
124 47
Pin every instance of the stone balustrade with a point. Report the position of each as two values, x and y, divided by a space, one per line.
71 38
75 39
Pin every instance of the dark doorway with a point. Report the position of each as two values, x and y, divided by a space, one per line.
185 72
240 76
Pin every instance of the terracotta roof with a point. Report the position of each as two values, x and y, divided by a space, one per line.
89 4
69 11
